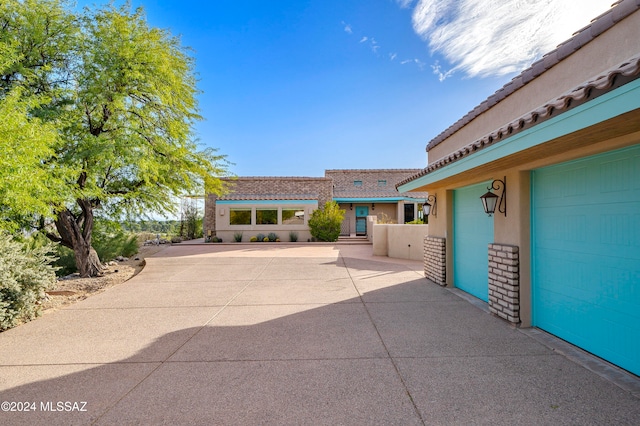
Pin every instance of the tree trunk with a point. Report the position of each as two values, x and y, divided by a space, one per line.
75 233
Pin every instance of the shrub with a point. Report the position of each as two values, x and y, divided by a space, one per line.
293 236
272 237
325 223
25 274
216 240
265 239
416 221
253 239
384 218
261 237
111 246
237 237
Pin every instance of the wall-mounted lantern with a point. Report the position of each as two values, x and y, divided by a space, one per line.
351 206
427 208
490 200
373 206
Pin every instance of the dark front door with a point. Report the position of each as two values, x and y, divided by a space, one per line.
408 213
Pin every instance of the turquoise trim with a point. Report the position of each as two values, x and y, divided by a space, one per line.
263 202
605 107
376 200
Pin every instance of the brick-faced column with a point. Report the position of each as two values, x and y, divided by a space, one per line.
504 282
435 266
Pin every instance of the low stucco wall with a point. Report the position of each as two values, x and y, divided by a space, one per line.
399 241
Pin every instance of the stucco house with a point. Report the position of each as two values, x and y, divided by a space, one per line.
372 192
282 205
560 147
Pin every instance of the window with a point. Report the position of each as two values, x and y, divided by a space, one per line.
382 182
266 216
357 183
292 217
240 217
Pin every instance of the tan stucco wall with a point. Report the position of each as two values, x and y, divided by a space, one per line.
399 241
226 231
608 50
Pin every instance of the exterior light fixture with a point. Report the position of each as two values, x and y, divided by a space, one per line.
351 206
373 206
427 208
490 200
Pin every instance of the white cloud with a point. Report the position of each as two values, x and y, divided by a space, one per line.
485 37
392 56
347 28
363 39
404 3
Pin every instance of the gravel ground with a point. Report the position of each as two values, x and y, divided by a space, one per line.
73 289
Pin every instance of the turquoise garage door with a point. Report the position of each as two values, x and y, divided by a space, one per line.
586 254
472 233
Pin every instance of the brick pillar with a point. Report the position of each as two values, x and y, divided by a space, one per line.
210 216
504 282
435 260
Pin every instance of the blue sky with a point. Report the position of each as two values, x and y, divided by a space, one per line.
294 87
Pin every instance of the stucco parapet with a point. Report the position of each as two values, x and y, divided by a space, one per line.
601 84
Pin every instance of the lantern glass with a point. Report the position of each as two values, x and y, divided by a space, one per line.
489 201
426 209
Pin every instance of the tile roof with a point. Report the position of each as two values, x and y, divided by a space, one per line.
620 10
377 194
253 197
610 80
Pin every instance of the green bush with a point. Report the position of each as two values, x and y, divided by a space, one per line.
237 236
260 237
25 274
416 221
325 223
293 236
111 246
253 239
272 237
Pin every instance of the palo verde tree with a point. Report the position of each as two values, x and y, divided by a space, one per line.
124 104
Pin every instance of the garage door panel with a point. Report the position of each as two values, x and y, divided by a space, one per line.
473 231
586 254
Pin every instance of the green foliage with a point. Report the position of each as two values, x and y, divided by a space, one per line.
215 240
237 237
25 274
272 237
261 237
100 109
265 239
253 239
325 223
293 236
191 226
416 221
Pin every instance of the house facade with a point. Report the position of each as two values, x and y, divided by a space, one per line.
283 205
560 147
372 192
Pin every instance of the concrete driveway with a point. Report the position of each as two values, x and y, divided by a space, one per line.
298 334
